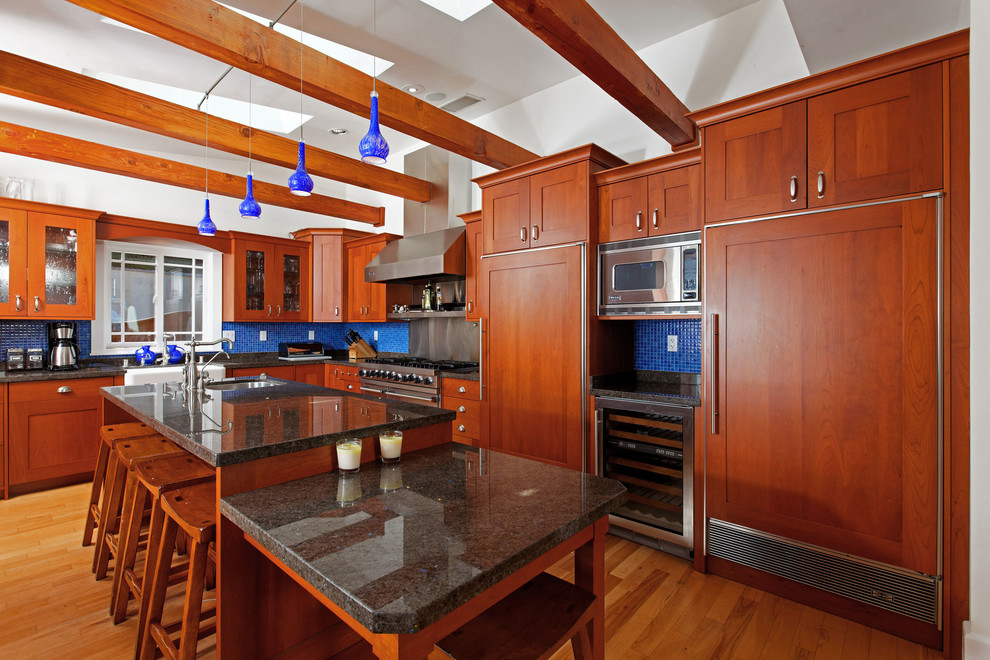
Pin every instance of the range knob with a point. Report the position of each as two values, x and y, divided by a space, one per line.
428 380
363 372
419 380
394 376
379 373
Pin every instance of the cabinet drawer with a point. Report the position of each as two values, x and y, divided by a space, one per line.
468 428
467 411
48 390
461 389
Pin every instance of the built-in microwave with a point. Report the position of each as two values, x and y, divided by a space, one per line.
655 275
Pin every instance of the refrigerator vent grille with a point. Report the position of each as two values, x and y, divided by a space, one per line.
888 587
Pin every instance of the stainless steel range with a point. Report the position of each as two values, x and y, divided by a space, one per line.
411 379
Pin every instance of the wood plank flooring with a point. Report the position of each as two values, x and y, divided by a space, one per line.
656 607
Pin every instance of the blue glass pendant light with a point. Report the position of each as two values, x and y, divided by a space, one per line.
250 208
373 147
300 183
206 226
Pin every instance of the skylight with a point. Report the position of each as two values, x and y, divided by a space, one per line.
263 117
349 56
459 9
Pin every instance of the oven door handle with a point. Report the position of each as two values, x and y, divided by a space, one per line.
371 389
431 399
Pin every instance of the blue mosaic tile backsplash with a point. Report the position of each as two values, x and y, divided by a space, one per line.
650 345
34 334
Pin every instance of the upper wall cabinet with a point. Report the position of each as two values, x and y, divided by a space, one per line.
368 301
472 255
47 269
330 271
265 279
543 205
877 139
652 198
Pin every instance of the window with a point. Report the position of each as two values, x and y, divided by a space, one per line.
144 290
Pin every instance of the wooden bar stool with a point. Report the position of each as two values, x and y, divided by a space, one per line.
192 510
153 478
529 624
120 469
108 435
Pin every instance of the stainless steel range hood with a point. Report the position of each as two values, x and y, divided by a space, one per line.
437 255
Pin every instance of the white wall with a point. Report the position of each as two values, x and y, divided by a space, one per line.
977 644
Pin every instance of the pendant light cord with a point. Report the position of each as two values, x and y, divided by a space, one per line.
250 120
207 146
302 6
374 48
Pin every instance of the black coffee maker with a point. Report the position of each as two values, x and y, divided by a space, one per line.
63 351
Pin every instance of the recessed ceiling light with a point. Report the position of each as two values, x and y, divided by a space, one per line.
413 89
435 97
337 131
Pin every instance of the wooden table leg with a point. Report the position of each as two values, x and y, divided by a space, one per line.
589 574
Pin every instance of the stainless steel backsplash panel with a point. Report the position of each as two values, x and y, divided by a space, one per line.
445 339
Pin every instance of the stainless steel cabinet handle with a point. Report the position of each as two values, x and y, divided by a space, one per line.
65 389
714 371
17 303
461 428
350 387
269 310
656 218
794 186
470 306
336 310
279 310
639 221
37 303
522 233
461 389
461 409
536 233
821 184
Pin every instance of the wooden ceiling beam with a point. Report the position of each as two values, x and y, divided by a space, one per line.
23 141
43 83
582 37
224 35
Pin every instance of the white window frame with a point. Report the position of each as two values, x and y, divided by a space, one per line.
212 290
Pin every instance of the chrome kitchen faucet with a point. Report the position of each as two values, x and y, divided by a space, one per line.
191 376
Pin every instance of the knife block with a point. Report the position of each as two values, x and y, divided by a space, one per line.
360 349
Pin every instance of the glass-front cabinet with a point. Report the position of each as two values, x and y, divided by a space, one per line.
266 281
46 262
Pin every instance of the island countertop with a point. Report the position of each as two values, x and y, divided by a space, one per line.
398 547
234 426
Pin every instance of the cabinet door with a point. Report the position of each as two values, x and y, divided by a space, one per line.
505 216
291 288
311 374
755 165
61 269
533 381
472 245
253 281
329 279
285 372
53 434
622 211
675 201
357 288
826 380
878 139
13 263
377 307
559 205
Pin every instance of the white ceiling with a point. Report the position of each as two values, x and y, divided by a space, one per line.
489 55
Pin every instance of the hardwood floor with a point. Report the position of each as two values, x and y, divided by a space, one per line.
657 606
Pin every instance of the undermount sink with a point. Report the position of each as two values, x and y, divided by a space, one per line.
243 384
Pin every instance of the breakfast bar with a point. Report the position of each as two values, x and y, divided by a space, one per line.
388 560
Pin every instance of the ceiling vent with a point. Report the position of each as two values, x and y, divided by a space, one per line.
460 103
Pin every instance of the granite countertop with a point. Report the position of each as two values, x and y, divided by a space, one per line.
94 370
656 386
233 426
461 375
423 536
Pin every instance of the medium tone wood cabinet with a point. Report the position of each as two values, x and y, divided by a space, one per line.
367 301
266 280
652 198
877 139
47 266
342 377
825 380
330 271
463 397
53 429
472 255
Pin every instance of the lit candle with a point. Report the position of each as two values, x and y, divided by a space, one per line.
349 454
391 445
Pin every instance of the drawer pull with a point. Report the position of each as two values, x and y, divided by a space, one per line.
461 428
794 189
65 389
461 409
461 389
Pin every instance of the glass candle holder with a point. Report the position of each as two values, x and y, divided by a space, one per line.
391 446
349 454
